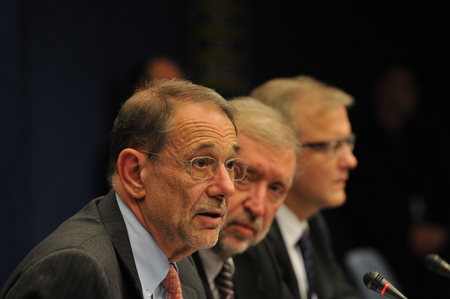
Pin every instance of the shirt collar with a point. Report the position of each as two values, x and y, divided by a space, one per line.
290 226
151 262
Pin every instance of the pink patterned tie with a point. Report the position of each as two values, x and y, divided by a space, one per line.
172 284
224 282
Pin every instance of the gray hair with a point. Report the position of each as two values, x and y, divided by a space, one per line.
144 119
287 94
263 123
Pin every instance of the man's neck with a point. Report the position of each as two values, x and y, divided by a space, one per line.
221 253
300 208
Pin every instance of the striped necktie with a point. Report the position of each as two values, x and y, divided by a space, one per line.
224 283
308 258
172 284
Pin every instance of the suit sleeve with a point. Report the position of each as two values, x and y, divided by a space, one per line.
70 273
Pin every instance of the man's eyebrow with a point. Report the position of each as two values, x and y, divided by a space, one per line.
237 148
205 145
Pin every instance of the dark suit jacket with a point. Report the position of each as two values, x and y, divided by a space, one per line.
88 256
203 277
331 281
256 275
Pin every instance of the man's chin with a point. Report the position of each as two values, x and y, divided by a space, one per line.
207 238
229 246
337 201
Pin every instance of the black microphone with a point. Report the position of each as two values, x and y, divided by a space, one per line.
436 264
374 281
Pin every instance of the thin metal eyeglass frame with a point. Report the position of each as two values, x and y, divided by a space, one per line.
332 145
189 163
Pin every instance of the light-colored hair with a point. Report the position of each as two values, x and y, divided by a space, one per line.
287 94
144 120
263 123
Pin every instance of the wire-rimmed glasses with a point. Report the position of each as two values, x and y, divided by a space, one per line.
206 167
334 147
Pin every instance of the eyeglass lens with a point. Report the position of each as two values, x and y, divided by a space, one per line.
336 147
204 168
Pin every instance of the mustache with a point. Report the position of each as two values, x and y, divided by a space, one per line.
246 219
210 206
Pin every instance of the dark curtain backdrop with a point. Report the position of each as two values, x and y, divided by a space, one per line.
64 68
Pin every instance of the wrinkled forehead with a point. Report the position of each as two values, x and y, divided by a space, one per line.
202 128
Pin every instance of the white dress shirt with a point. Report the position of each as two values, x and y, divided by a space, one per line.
292 229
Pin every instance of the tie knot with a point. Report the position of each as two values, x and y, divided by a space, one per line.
224 282
226 269
172 284
305 242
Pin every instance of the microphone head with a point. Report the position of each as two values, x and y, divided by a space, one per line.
436 264
433 262
374 281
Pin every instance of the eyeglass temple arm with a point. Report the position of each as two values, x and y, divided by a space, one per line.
150 153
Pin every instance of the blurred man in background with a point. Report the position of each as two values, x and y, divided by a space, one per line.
299 234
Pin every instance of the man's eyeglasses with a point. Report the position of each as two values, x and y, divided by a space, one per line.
205 167
335 147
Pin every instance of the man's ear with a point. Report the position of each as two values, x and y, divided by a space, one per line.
129 167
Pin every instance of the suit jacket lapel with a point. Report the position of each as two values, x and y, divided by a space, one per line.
321 250
276 241
248 272
202 274
115 225
191 282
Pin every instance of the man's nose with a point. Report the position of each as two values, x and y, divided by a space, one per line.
348 159
256 201
226 185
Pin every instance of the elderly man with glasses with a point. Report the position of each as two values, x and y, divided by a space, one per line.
173 164
299 235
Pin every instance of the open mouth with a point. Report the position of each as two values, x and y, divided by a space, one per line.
210 214
211 219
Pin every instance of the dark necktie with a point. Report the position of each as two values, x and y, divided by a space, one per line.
224 283
308 258
172 284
